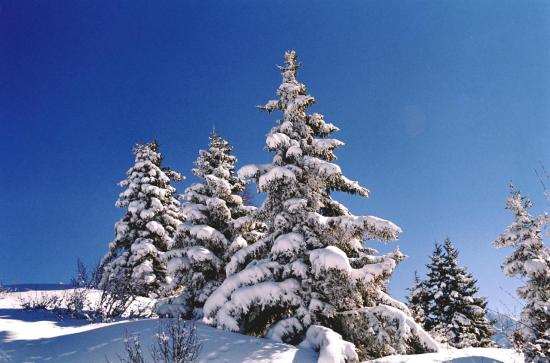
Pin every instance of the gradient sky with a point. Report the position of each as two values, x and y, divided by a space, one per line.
440 104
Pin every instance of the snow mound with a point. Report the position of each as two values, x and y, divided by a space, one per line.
467 355
332 348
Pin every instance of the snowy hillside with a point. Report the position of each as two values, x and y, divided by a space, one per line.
41 336
467 355
35 336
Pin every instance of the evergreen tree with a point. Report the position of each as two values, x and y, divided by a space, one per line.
418 300
142 237
434 286
312 269
531 262
455 315
219 224
468 326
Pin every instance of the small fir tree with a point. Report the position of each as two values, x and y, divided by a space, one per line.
530 261
142 237
219 224
469 326
455 315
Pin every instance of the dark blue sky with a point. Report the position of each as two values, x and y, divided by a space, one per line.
440 104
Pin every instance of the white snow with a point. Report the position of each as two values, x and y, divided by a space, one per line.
277 139
332 348
199 253
330 257
275 174
287 243
466 355
204 232
39 336
249 171
156 227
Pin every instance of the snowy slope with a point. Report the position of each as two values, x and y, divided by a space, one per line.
34 336
467 355
93 345
30 336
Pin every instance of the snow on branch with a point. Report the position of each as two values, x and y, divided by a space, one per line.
275 175
253 170
370 226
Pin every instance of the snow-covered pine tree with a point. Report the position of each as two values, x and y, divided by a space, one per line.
144 234
418 300
218 225
454 314
311 272
434 285
468 325
531 262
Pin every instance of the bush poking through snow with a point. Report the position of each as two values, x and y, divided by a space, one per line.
43 301
3 290
73 303
114 302
82 278
132 346
176 341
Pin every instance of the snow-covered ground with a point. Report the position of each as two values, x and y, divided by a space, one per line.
468 355
39 336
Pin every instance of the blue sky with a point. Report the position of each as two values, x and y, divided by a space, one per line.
440 104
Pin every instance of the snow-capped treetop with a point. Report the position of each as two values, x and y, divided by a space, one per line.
531 261
525 233
302 152
218 161
145 233
217 201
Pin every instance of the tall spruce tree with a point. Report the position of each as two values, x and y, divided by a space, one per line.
455 315
218 224
531 262
142 237
311 271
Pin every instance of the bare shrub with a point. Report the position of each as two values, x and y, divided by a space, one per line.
40 302
82 277
115 300
3 291
176 341
132 346
75 304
